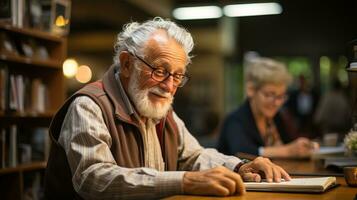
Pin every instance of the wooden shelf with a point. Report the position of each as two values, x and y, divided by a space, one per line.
24 167
31 32
43 119
30 61
50 84
27 115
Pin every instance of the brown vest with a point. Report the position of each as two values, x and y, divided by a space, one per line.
127 145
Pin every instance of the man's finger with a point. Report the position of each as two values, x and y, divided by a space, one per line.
219 190
239 185
229 183
252 177
268 172
277 174
284 174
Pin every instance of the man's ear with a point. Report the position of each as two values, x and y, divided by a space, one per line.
125 63
250 89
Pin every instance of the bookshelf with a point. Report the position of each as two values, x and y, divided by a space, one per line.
32 89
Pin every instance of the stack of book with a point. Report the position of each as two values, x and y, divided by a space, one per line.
15 149
21 94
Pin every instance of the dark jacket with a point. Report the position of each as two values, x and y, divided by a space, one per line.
127 145
240 132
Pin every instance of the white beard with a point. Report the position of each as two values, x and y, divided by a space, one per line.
142 102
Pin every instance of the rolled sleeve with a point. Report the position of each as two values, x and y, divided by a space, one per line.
168 183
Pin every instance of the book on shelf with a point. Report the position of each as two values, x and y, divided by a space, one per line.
13 103
2 148
38 96
307 185
13 146
8 45
13 12
40 143
33 189
25 153
8 144
21 145
21 94
20 84
5 11
3 86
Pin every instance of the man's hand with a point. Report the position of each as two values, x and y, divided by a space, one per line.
254 170
218 181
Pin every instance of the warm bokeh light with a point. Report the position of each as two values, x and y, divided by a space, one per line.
84 74
61 21
70 67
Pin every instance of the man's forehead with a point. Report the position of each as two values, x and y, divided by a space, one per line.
160 37
161 44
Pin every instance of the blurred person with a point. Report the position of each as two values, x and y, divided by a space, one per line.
333 113
119 138
301 105
257 126
209 137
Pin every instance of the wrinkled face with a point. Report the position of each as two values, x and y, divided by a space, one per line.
153 98
268 99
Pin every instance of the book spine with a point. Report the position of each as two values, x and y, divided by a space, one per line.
14 12
3 88
13 146
3 148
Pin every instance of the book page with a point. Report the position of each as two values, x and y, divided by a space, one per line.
298 184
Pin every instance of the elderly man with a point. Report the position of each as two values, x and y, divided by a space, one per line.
119 137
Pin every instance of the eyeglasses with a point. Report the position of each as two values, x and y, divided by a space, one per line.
271 97
160 74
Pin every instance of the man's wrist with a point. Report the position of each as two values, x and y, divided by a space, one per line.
240 164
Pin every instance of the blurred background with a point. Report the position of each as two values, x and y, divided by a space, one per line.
310 37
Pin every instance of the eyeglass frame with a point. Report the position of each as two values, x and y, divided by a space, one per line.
273 97
184 80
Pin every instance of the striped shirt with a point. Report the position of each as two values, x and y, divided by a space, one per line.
87 142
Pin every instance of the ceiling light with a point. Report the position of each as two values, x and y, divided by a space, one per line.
198 12
252 9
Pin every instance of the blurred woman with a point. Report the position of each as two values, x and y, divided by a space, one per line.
257 127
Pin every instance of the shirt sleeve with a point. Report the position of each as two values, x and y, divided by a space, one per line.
192 156
261 151
95 173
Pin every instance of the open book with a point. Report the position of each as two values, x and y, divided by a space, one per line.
309 185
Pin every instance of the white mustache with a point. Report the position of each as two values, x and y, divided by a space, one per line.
160 92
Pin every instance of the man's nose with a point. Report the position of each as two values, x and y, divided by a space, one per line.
168 84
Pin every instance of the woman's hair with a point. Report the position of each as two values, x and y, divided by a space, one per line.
135 35
261 71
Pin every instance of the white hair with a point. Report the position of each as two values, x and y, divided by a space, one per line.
261 71
134 36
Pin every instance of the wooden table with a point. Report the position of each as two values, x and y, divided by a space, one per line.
298 167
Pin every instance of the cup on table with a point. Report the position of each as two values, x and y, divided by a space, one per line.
350 174
330 139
